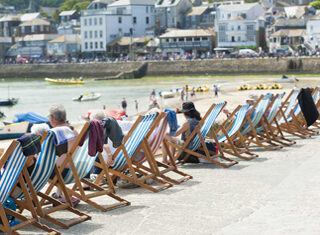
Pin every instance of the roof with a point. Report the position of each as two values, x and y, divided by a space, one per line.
5 40
67 13
187 33
238 7
67 39
196 11
35 22
39 37
289 33
315 17
154 42
125 41
295 11
291 23
10 18
131 2
30 16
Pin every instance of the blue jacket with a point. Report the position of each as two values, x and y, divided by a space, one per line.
172 120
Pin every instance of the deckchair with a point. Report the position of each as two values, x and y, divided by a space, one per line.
80 166
44 166
284 115
12 163
198 137
231 140
152 146
255 117
126 152
316 99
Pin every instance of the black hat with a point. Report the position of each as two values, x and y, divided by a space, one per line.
187 107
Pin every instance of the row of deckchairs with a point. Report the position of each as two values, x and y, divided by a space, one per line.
262 124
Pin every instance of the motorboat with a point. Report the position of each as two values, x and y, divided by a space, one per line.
8 102
87 97
168 94
65 81
12 131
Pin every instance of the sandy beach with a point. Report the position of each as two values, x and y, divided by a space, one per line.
277 193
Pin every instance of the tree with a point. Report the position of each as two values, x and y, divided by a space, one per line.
315 4
74 5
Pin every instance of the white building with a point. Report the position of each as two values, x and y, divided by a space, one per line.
100 26
171 13
240 26
313 32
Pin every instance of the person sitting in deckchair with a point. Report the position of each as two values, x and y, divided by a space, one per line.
192 120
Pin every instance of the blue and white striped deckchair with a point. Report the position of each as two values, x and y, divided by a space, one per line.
12 163
228 136
80 166
136 140
197 140
44 167
289 108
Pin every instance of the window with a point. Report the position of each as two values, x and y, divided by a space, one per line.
181 39
33 29
41 28
85 22
174 39
91 45
134 20
86 45
147 20
120 31
90 21
96 45
229 16
250 27
167 39
101 34
101 45
196 39
239 38
204 38
311 27
95 34
222 38
85 34
119 19
232 27
151 9
147 9
22 29
239 27
95 21
250 38
90 34
189 39
222 28
100 20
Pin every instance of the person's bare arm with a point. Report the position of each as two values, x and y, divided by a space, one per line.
183 129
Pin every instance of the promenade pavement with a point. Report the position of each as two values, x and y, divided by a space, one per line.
277 193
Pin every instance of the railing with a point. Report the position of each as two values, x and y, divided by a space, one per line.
185 44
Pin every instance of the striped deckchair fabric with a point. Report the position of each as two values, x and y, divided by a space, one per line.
290 106
134 141
13 163
257 114
240 116
83 163
205 128
11 172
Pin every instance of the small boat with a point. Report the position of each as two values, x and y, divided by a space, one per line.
87 97
245 87
31 118
8 102
261 86
12 131
168 94
275 86
285 79
116 113
203 88
65 81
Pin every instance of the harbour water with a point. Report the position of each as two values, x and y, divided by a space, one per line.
36 95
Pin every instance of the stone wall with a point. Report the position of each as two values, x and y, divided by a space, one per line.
165 68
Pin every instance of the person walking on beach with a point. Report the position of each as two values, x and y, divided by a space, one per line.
137 105
124 104
182 94
216 89
153 94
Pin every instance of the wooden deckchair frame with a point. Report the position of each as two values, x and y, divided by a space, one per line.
209 155
155 165
82 195
57 205
253 135
34 220
133 167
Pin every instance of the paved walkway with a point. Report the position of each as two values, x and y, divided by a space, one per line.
278 193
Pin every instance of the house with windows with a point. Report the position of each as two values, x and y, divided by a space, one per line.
181 42
200 17
240 26
35 26
64 46
171 13
9 25
313 32
123 18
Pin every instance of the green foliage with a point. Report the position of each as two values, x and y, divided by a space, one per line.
251 1
74 5
315 4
